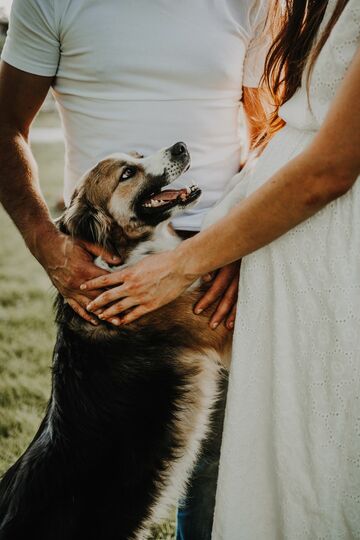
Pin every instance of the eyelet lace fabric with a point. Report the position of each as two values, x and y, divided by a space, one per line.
290 459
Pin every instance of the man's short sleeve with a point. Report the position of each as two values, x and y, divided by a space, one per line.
258 46
32 43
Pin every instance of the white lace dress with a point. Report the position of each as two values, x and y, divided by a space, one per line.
290 460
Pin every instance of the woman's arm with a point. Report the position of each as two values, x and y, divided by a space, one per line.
323 172
326 170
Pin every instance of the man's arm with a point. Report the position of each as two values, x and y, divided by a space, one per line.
68 262
21 96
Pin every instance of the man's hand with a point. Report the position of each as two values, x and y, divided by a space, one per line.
69 262
224 292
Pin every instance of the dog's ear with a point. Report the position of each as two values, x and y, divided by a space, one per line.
85 221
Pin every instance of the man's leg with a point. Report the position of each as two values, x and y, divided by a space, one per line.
196 511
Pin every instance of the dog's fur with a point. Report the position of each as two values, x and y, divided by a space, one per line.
130 405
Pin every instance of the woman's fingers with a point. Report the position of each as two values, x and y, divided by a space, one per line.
212 294
117 308
134 314
217 288
225 305
106 298
99 251
230 321
81 311
208 277
106 280
79 306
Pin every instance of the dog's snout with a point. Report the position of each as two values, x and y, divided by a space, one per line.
178 149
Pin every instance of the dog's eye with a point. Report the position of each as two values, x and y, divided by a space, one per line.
128 173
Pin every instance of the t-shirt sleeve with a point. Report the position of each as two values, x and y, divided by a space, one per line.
32 43
259 44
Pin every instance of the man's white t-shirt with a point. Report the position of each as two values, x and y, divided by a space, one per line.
141 75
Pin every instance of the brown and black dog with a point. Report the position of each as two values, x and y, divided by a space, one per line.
130 406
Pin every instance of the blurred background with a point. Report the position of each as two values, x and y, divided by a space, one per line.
27 330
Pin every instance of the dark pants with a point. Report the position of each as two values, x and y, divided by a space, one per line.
196 511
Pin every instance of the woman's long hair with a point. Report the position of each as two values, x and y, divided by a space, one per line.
295 26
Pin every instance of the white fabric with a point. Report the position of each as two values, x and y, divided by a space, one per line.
290 458
140 75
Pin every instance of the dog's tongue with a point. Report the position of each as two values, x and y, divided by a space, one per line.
169 195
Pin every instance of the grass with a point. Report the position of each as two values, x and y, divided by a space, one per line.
27 331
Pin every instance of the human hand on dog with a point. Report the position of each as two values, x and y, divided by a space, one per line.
69 262
146 286
224 292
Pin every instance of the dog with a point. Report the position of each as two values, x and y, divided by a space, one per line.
130 405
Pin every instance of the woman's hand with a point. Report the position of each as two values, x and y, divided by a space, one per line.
224 291
146 286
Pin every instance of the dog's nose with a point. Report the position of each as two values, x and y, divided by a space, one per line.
178 149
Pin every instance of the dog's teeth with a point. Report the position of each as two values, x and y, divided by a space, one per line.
188 190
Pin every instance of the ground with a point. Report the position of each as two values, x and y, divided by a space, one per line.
27 330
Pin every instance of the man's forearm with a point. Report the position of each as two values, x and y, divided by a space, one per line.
20 191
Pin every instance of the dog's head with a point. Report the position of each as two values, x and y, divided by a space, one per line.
122 197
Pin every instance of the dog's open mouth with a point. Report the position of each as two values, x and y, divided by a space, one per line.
168 198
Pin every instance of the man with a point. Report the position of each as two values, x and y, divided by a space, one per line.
133 75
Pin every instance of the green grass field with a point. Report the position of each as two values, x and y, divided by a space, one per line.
27 330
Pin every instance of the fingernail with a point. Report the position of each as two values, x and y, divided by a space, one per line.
83 286
89 307
214 325
95 323
231 325
115 258
115 321
198 311
101 316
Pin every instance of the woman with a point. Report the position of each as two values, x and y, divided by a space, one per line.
290 462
